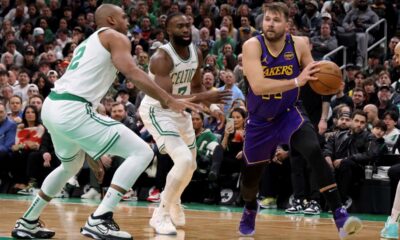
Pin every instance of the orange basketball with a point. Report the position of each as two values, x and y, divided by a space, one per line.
329 79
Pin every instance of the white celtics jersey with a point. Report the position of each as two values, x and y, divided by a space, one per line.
182 73
90 72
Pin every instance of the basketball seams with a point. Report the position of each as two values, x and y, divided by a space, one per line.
325 82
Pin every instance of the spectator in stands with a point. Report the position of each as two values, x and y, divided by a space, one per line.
208 23
209 158
11 47
311 20
143 61
227 22
384 79
348 151
208 81
3 79
392 133
7 93
324 43
392 44
37 101
384 103
44 84
205 36
16 109
225 10
358 20
358 98
236 92
123 97
369 88
7 139
378 131
341 98
28 140
372 115
226 59
22 89
224 39
38 38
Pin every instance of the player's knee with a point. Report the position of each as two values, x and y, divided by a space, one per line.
183 157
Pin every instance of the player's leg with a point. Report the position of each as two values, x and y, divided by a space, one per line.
29 225
311 151
390 231
137 156
249 184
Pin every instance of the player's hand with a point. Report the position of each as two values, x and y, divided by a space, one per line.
97 168
106 161
182 105
218 97
322 126
281 155
307 73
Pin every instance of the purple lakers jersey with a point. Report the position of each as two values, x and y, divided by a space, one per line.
281 68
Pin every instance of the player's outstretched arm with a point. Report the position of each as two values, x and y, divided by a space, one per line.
254 72
120 49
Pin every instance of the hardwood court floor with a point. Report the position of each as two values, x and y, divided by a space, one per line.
66 216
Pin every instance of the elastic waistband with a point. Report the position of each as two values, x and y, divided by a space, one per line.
67 96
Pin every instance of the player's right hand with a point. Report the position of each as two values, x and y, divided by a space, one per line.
307 73
183 105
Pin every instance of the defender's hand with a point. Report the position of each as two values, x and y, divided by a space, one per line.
218 97
182 105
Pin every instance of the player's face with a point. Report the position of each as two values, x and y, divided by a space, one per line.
122 22
180 31
274 26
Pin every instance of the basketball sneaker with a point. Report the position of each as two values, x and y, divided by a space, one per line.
91 194
345 224
390 231
31 189
177 214
25 229
248 222
268 203
154 195
296 207
161 222
130 195
104 227
312 208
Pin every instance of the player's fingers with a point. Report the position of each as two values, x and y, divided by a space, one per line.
311 78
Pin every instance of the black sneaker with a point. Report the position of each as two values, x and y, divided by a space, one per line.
104 227
25 229
312 208
296 207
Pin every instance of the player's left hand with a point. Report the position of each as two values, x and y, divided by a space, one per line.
183 105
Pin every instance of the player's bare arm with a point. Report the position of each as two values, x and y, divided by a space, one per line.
260 85
119 47
161 66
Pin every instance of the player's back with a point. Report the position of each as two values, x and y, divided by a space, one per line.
281 67
90 72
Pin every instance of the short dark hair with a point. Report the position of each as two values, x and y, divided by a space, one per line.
278 7
380 124
392 114
116 104
171 16
359 112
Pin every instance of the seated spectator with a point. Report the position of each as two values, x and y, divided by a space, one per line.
348 151
22 89
311 20
358 98
44 84
28 140
208 81
7 93
358 20
236 92
343 123
372 115
370 90
7 139
392 133
16 109
341 98
224 39
37 101
123 97
378 131
324 43
384 103
209 158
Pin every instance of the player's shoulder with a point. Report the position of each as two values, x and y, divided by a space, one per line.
252 44
300 40
161 59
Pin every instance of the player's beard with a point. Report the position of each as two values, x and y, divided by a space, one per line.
276 37
182 42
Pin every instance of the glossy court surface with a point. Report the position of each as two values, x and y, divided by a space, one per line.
67 216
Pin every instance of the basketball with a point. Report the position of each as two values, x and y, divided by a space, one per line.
329 79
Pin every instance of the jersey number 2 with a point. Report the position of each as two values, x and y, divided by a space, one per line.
75 61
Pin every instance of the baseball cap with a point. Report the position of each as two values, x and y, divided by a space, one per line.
52 72
385 87
38 31
326 15
156 45
122 90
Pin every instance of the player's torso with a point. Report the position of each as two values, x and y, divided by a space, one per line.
182 72
90 72
283 67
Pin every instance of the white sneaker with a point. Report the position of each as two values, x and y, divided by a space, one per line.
177 215
73 181
26 229
62 194
91 194
130 195
104 227
161 222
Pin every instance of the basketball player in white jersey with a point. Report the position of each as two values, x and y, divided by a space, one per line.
391 229
76 128
176 67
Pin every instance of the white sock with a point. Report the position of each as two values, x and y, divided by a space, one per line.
35 209
110 201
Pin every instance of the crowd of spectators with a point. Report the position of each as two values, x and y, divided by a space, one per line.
38 38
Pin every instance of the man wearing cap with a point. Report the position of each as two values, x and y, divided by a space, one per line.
312 18
123 97
351 71
38 39
11 47
384 104
348 151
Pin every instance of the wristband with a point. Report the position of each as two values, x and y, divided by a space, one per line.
296 82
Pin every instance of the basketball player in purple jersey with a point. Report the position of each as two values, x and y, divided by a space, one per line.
272 63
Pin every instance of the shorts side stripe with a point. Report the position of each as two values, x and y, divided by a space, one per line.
107 147
63 159
158 128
